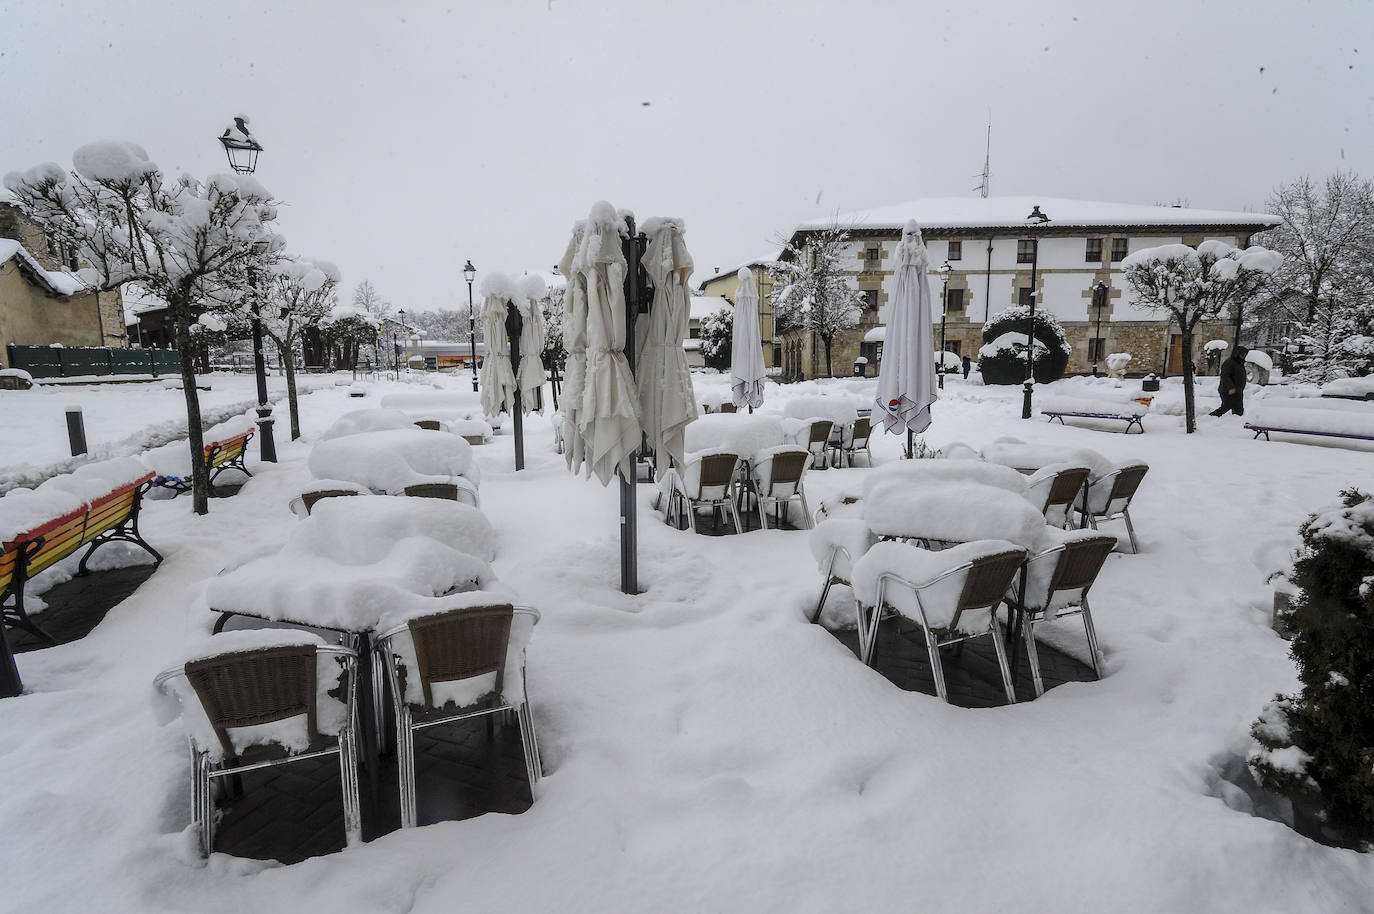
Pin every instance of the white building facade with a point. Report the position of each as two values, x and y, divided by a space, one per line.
991 249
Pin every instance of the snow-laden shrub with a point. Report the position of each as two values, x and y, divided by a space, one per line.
1006 364
717 337
1317 747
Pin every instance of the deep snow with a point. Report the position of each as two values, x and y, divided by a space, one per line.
708 749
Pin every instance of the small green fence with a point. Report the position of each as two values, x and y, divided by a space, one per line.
82 361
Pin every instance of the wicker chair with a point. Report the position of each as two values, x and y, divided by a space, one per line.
256 686
729 408
429 425
853 438
818 442
460 491
310 498
839 562
777 478
446 648
1109 497
1068 572
985 585
707 480
1057 488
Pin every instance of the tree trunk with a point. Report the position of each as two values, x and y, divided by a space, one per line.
1190 414
294 408
195 440
829 371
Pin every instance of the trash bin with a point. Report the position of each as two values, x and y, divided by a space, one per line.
1149 383
860 367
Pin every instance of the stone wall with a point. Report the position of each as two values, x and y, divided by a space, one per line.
30 317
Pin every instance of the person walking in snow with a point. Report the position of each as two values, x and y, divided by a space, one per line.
968 363
1232 386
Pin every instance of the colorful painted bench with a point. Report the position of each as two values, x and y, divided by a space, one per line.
225 454
107 519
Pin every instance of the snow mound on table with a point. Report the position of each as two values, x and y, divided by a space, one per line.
467 691
1018 454
925 472
1350 387
838 409
955 513
1309 418
919 566
738 433
367 420
291 732
22 510
388 461
355 530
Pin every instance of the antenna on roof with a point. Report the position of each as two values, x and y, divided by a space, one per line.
983 182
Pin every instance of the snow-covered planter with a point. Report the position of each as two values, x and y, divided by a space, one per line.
1005 361
15 379
1317 746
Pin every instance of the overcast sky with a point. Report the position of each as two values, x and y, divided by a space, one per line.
405 138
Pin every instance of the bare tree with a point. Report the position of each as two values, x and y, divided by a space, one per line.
1196 285
297 295
812 292
187 242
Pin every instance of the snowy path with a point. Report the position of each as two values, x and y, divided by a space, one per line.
707 749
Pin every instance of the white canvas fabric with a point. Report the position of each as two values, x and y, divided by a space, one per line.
498 380
608 408
746 348
667 404
575 342
906 376
530 289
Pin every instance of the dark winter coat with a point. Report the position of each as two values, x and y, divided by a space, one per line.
1232 376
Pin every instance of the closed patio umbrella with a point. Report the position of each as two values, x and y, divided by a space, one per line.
608 411
667 403
906 376
530 375
575 342
746 349
498 380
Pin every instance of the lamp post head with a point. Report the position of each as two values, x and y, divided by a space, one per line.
1036 217
469 271
944 270
240 146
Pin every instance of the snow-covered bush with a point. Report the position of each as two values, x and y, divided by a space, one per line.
717 337
1317 747
1005 362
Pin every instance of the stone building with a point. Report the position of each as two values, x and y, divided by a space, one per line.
41 301
990 249
724 283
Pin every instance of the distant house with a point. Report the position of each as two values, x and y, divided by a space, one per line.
703 306
724 283
990 249
42 302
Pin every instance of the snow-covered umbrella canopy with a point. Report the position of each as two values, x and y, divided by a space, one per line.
906 377
498 380
666 401
606 412
746 348
575 342
530 376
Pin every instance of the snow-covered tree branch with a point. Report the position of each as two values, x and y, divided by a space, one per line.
812 291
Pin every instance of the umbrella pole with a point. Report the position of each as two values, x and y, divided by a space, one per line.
514 327
629 523
908 444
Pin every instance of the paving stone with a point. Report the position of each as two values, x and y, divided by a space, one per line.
76 607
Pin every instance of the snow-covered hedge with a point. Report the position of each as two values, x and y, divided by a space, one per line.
1006 362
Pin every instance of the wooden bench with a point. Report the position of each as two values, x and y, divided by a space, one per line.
109 518
1131 419
225 454
1266 429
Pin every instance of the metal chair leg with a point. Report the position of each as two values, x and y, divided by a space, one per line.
202 809
1091 631
734 512
527 744
1130 529
405 764
348 774
1002 660
763 513
1033 657
807 522
936 668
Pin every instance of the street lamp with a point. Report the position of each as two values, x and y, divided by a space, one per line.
1034 220
944 313
470 273
395 347
242 150
1099 300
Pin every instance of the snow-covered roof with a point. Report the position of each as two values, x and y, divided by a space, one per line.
137 300
56 282
1010 213
876 334
703 306
725 273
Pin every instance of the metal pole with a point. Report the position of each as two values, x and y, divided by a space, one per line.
265 441
472 337
629 530
514 325
944 315
1026 406
76 430
1100 293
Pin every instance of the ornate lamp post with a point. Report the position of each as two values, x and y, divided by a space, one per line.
395 346
1099 300
242 151
1033 221
944 314
470 273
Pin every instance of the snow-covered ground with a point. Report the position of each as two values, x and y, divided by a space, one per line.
709 750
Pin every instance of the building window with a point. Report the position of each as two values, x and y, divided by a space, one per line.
956 251
870 299
777 355
1095 349
693 333
1023 296
72 263
1093 254
954 300
1118 249
873 255
1025 250
871 351
952 346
